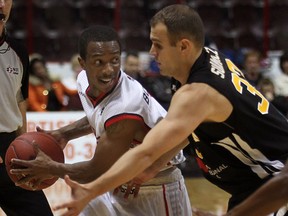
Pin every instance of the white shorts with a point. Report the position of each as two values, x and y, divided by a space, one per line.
158 200
99 206
161 200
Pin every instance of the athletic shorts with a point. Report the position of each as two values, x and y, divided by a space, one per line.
158 200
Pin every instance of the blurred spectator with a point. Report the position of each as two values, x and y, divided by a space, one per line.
70 83
158 86
132 64
45 94
281 81
252 67
266 87
132 67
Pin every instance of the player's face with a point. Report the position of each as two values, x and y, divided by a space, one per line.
166 55
5 8
102 65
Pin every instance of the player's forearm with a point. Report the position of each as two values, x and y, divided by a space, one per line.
164 159
267 199
121 172
76 129
80 172
156 143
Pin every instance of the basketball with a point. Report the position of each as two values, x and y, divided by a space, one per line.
22 148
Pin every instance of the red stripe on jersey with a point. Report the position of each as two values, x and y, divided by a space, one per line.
102 95
122 117
165 200
201 164
95 100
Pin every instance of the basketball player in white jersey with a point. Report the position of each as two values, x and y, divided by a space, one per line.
120 112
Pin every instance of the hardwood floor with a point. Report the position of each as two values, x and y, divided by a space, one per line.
206 196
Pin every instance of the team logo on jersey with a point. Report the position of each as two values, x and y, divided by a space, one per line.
12 70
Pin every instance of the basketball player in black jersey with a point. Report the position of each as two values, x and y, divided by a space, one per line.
240 140
14 201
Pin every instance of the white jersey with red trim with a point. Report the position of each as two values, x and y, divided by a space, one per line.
127 100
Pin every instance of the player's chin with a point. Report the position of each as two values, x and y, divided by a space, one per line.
107 87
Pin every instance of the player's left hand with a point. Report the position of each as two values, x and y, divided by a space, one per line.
133 186
128 189
79 199
1 160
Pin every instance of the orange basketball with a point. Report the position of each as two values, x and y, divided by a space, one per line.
22 148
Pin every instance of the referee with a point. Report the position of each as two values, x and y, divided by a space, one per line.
14 76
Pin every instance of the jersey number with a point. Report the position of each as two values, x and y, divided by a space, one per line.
238 83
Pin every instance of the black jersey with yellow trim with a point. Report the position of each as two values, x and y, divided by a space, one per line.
247 149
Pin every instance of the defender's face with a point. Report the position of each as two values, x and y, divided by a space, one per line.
102 65
166 55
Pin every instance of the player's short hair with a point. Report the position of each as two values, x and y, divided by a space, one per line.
96 33
181 21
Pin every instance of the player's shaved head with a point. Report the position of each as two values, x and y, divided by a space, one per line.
181 22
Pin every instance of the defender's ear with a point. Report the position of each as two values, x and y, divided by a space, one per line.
185 45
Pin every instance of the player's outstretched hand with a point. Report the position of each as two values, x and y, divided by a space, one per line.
61 139
79 199
1 160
